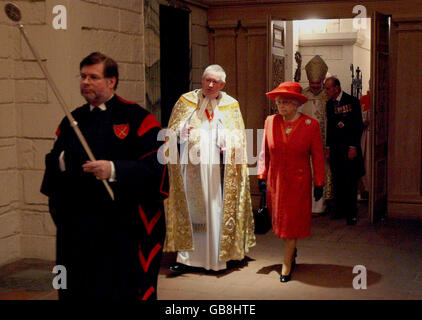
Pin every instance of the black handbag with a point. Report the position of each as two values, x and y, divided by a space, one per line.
262 217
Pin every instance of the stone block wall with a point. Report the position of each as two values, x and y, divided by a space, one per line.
116 28
11 174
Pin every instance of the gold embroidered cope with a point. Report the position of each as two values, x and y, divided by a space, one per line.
237 230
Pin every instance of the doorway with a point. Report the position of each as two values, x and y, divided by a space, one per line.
175 58
345 49
338 43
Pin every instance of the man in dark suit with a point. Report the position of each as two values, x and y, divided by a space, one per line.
344 131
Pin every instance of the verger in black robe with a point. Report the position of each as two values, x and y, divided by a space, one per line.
110 249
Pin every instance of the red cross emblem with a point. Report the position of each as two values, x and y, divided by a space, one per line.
121 130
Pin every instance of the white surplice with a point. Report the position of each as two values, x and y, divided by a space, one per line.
206 242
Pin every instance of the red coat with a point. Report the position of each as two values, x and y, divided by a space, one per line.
284 163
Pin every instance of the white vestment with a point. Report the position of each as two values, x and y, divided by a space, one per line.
206 241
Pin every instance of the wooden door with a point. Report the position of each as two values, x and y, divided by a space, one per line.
240 47
405 114
380 84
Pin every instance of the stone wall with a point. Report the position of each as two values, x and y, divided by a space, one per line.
17 77
116 28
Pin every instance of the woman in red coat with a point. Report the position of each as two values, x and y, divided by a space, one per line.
292 141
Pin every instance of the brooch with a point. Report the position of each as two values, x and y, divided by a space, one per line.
308 121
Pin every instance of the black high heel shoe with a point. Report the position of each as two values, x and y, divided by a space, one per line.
288 277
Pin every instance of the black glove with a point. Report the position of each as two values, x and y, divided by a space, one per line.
262 185
318 190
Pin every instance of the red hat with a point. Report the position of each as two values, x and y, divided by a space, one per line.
288 89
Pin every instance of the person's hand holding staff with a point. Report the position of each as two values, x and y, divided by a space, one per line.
14 14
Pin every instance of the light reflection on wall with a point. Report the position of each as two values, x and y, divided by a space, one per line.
312 26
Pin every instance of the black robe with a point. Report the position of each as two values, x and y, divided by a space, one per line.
110 249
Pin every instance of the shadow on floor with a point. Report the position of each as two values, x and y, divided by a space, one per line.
232 266
326 275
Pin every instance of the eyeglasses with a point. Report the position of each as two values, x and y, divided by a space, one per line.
213 81
90 78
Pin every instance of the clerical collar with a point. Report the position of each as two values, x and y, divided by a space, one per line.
102 106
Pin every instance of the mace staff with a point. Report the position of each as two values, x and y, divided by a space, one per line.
14 14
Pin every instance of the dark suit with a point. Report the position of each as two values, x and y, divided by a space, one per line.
344 130
111 249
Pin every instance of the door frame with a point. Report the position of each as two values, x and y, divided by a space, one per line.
379 119
377 205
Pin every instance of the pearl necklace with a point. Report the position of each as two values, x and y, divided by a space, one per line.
289 123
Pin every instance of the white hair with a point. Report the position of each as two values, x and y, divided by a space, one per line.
217 69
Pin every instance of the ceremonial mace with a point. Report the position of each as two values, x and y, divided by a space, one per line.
14 14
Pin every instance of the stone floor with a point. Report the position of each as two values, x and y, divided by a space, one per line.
390 251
